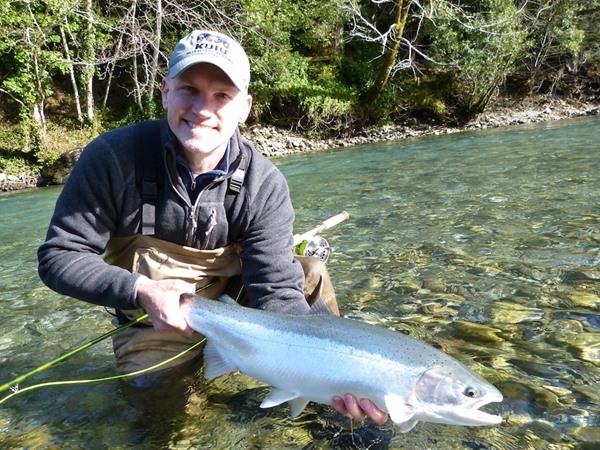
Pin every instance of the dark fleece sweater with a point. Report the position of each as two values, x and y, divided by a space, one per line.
101 200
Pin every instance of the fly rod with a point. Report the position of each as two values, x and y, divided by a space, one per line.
14 383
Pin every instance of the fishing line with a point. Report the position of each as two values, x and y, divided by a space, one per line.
46 366
14 384
18 391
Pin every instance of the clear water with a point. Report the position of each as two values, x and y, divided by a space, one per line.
485 244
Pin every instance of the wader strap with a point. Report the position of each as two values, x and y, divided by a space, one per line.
149 171
237 179
149 166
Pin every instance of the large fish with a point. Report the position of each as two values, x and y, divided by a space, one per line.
317 357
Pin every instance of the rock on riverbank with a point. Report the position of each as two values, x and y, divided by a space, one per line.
14 183
276 142
273 142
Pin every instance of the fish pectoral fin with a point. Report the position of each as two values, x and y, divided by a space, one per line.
216 363
401 412
403 417
279 396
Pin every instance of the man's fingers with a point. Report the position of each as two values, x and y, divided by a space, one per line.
348 406
377 415
340 406
351 408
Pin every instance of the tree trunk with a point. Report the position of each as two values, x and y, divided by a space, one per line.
89 61
153 69
38 108
138 48
389 58
111 70
76 97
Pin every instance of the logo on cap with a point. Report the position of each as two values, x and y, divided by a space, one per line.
212 43
214 48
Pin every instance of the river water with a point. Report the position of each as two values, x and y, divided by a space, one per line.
485 244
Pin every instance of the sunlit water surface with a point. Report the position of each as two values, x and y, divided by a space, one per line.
484 244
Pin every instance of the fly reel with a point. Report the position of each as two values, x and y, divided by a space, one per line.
316 246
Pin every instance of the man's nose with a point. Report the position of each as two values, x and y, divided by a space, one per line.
201 105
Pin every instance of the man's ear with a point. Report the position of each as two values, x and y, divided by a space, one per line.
247 106
164 88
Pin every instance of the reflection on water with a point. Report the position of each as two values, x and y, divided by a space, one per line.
485 244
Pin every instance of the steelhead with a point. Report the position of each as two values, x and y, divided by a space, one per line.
317 357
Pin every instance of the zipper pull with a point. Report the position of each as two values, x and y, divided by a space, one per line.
212 222
191 228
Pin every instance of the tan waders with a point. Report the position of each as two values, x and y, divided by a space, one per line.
214 272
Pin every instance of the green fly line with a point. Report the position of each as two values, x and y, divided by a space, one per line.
16 391
13 385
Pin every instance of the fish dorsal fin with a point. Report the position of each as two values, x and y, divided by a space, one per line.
216 363
227 299
279 396
401 412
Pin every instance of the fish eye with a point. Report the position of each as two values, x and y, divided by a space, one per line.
471 392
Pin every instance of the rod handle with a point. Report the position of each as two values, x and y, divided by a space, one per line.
331 222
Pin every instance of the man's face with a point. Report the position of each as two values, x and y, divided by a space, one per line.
204 108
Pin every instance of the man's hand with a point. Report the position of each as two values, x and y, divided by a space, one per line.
160 299
350 407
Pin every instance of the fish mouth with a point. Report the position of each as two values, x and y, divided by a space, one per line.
473 416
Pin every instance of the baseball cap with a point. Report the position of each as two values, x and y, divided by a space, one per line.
215 48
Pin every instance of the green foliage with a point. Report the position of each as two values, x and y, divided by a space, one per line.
13 138
559 34
11 164
480 47
305 97
589 22
432 95
311 68
295 56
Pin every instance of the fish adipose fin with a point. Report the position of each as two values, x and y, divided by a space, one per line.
279 396
215 363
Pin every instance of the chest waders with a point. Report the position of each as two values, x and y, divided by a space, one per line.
214 272
141 346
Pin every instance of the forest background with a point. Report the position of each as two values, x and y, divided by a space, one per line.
70 69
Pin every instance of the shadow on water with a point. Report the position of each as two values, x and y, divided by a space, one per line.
483 244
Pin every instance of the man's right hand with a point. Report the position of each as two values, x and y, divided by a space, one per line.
160 299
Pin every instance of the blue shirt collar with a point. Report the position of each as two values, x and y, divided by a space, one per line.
221 169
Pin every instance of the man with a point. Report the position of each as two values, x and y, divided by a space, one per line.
134 243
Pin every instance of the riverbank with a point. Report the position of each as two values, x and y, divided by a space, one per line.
274 142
